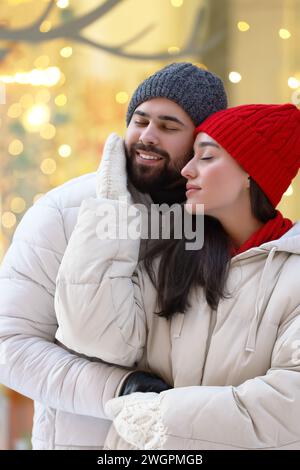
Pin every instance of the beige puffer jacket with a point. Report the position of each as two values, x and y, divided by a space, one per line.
236 371
69 391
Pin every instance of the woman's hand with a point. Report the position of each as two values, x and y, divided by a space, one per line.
111 180
137 419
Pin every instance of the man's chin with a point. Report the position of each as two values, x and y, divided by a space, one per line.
144 184
145 179
151 179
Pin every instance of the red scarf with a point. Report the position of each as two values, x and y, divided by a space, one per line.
271 230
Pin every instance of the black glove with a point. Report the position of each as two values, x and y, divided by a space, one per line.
143 382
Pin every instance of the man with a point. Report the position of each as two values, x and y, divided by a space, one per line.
70 391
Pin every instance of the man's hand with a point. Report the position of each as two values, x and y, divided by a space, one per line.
143 382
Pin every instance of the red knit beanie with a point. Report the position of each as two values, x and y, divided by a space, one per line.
264 139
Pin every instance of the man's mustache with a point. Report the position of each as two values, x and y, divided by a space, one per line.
149 148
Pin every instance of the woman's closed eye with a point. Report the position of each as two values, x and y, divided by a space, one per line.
208 157
203 156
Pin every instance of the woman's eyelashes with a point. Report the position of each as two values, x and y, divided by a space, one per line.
204 157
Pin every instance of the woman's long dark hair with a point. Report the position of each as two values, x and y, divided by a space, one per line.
180 270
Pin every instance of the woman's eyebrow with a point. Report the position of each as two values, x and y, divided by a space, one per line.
211 144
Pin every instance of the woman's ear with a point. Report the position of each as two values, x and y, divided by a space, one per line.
248 182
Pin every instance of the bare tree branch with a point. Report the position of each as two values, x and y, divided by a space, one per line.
3 53
192 42
22 33
32 33
164 55
43 16
72 30
138 35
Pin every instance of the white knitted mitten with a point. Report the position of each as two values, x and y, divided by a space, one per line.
137 419
111 180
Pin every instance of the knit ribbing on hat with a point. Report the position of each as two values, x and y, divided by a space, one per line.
265 141
198 92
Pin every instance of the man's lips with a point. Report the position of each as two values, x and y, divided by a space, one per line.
148 158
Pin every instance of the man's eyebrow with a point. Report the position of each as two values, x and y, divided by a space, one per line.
162 117
203 144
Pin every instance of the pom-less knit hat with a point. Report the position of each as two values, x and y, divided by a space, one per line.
198 92
264 139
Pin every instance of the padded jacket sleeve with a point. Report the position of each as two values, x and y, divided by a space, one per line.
30 361
261 413
98 297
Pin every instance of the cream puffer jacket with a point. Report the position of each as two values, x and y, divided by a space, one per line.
236 371
69 391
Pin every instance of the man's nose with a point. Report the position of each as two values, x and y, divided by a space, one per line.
149 135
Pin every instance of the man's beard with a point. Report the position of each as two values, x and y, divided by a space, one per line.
148 179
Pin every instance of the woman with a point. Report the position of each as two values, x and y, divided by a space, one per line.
227 329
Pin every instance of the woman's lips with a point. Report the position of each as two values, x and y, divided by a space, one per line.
191 189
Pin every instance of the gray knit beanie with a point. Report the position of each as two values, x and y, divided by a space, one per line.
198 92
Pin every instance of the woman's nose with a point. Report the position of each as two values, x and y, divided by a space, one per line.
189 171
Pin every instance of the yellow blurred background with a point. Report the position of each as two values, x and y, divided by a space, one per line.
68 68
